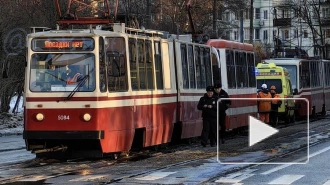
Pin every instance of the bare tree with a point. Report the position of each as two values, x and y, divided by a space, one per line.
232 6
308 13
13 29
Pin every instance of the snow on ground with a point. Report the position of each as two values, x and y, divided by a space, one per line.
10 123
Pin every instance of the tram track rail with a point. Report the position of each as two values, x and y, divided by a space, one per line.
51 168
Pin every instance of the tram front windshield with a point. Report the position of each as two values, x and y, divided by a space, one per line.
54 72
292 69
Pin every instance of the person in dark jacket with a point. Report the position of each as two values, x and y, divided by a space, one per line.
208 105
275 104
223 106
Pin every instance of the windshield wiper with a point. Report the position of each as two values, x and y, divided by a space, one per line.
80 84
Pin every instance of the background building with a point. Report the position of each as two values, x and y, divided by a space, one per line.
286 26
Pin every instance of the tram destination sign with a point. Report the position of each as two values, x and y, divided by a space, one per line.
60 44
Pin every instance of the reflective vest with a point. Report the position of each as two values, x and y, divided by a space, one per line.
264 105
73 79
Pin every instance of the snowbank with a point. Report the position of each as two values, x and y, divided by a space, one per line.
12 124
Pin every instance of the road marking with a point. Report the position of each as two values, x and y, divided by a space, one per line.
35 178
327 183
276 169
286 179
236 179
287 165
155 176
319 152
89 177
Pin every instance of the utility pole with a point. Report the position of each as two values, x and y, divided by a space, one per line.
215 31
251 22
241 29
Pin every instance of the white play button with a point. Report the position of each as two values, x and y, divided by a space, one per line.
259 131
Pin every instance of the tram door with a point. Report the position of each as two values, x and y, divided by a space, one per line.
216 70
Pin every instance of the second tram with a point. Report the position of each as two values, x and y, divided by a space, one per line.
309 80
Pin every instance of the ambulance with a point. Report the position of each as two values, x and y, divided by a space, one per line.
270 74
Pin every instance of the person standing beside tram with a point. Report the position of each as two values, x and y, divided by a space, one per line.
223 106
264 106
208 105
275 104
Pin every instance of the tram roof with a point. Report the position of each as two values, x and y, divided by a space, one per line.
227 44
289 61
116 28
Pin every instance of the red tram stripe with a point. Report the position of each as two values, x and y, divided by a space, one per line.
101 98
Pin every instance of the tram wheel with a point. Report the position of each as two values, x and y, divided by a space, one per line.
127 153
313 113
116 156
324 112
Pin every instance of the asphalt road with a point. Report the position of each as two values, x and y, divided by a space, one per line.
199 171
12 150
316 171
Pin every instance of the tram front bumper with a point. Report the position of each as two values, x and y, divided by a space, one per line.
97 134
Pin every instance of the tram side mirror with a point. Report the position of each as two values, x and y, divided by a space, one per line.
295 91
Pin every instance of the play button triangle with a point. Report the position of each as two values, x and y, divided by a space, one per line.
259 131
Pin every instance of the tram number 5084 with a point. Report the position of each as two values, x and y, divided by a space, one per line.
63 117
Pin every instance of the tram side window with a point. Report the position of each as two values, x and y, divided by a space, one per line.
103 76
215 69
198 68
185 77
149 66
304 75
251 68
132 63
158 65
244 66
202 62
230 69
241 71
116 65
318 79
327 73
191 67
315 76
207 63
142 65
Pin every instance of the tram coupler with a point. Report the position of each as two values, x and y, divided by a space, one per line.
54 149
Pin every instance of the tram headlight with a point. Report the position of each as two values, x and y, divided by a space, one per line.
87 117
40 117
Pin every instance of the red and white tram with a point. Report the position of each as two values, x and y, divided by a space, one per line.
237 74
309 80
137 88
